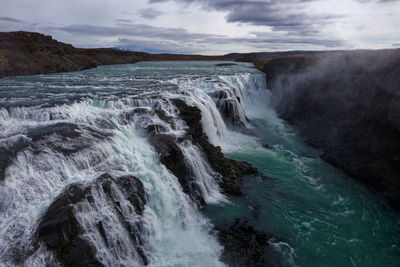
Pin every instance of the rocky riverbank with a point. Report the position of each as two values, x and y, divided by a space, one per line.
348 105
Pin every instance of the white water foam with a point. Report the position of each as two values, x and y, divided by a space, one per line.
175 232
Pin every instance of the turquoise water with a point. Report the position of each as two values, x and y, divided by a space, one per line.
322 217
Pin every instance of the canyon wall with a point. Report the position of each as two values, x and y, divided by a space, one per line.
348 105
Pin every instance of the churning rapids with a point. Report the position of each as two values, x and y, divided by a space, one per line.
122 166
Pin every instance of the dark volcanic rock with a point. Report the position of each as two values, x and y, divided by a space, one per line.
244 245
192 117
66 138
229 111
143 115
60 231
64 129
225 64
347 104
232 171
172 157
265 145
8 153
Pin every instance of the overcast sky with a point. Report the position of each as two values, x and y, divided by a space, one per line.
210 26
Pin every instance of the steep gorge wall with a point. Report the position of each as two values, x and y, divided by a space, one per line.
348 105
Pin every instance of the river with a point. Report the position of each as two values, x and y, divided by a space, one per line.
318 216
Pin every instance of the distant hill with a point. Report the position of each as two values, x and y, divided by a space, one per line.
27 53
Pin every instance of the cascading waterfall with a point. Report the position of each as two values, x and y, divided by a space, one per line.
112 166
205 176
54 148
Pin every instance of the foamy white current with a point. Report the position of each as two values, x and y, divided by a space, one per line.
42 162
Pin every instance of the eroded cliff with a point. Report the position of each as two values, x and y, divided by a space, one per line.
347 104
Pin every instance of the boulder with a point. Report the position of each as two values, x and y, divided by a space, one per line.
61 232
244 245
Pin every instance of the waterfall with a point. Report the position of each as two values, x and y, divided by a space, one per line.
49 149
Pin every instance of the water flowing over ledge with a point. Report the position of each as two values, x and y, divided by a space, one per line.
68 193
124 164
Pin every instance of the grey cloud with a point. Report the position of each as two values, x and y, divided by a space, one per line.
11 24
161 39
8 19
283 15
185 37
150 13
132 30
154 46
377 1
123 21
266 41
289 17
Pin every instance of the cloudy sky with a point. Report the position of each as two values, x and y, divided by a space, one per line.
210 26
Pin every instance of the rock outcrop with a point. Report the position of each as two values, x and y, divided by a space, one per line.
244 245
230 172
27 53
61 232
347 104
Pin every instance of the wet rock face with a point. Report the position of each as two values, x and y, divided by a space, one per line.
66 138
192 117
61 232
346 104
244 245
143 122
232 171
173 159
69 130
8 153
225 64
228 108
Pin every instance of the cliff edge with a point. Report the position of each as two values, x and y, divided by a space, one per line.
26 53
347 104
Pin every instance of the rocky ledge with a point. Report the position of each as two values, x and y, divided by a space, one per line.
230 173
60 229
